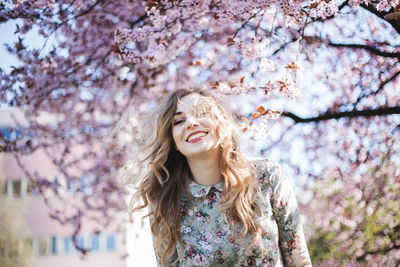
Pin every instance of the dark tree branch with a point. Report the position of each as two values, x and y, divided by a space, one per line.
371 49
284 45
346 114
380 88
386 82
381 15
245 23
85 12
58 25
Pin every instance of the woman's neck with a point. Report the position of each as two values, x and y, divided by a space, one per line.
206 170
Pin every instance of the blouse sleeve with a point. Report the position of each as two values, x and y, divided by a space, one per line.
284 206
170 263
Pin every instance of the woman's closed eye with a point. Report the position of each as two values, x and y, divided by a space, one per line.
178 121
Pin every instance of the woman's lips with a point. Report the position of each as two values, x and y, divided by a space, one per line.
197 139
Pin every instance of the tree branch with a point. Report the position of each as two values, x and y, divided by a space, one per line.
245 23
381 15
371 49
380 88
378 251
349 114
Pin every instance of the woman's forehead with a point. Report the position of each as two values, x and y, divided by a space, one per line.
190 101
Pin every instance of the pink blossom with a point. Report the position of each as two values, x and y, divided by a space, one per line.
266 65
254 48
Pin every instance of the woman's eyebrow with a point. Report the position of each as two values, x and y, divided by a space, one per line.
180 112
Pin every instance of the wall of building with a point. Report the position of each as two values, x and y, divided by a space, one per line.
51 241
130 246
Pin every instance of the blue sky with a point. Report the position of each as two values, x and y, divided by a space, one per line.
7 36
32 39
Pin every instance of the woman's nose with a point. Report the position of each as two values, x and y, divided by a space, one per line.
191 122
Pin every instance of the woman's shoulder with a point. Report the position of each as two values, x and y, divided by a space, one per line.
267 171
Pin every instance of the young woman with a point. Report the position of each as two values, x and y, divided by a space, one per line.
210 205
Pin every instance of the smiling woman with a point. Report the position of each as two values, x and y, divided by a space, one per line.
194 131
209 204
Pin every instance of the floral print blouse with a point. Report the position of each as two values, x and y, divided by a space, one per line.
208 237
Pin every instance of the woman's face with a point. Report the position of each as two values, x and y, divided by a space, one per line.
192 128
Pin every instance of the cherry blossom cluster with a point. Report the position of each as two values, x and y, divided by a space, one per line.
323 9
172 22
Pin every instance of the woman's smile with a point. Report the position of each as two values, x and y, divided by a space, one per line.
196 136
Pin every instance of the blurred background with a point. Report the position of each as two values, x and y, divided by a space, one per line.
314 85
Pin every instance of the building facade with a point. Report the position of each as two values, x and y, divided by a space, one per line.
50 240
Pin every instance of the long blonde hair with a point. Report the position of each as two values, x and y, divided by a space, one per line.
163 184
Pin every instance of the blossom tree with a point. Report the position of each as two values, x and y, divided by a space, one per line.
356 222
325 72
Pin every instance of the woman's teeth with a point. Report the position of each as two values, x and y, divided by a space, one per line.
196 136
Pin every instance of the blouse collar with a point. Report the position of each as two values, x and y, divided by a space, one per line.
198 190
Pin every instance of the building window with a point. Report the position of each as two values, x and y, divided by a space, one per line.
35 246
111 242
16 188
4 185
24 187
43 246
31 189
80 241
95 243
67 244
9 188
53 245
